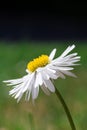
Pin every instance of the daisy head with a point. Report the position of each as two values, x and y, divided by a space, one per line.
41 72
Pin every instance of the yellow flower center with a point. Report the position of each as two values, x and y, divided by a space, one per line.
41 61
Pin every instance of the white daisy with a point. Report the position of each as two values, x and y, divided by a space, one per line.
40 73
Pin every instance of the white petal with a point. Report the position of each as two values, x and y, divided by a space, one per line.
49 85
26 85
71 55
29 81
60 74
45 90
38 80
62 68
52 54
14 81
27 71
19 97
69 73
70 48
27 96
35 92
45 76
20 91
50 69
15 89
22 85
51 74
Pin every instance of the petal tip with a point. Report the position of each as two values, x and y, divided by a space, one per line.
52 54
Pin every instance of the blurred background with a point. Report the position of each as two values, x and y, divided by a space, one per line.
26 34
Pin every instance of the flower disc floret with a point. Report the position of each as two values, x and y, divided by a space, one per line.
41 61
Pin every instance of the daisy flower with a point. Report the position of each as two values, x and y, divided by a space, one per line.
40 73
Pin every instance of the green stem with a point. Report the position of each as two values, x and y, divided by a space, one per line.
65 108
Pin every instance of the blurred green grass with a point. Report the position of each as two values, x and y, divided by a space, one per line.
47 113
